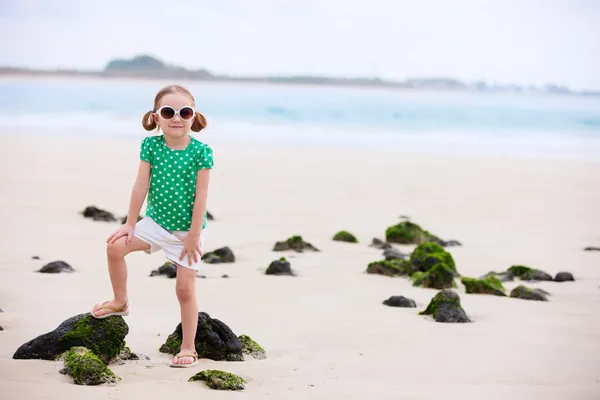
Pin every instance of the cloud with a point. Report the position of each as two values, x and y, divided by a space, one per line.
528 41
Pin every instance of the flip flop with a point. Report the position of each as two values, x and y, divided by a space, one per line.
123 311
194 356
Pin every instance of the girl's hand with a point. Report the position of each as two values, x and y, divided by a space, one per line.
191 248
124 230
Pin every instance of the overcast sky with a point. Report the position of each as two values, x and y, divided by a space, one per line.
520 41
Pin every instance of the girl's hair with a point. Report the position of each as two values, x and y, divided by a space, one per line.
148 120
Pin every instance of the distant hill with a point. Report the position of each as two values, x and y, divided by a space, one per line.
149 66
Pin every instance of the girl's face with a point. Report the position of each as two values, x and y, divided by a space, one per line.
175 115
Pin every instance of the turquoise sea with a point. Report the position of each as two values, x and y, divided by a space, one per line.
528 125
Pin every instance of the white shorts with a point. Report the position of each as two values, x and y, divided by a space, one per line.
158 238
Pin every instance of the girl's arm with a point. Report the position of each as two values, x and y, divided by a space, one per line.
191 243
138 193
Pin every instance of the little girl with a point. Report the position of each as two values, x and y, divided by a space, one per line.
174 173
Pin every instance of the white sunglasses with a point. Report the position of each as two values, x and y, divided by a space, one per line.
185 113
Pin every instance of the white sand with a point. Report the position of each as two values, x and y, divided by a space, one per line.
326 332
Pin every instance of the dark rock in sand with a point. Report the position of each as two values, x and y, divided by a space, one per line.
219 380
391 254
592 248
224 276
450 243
393 267
501 276
380 244
222 255
564 277
295 243
35 258
251 348
124 219
214 340
400 301
280 267
523 292
529 274
97 214
428 254
1 328
345 236
445 307
489 285
86 368
103 336
126 355
56 267
440 276
209 216
201 276
168 269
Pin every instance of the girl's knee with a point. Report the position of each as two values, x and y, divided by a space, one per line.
116 249
185 292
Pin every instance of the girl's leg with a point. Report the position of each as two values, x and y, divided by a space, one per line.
117 269
185 288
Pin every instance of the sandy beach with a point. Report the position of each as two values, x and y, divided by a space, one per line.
326 332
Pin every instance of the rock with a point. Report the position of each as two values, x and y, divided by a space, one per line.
214 340
56 267
125 355
380 244
35 258
400 301
345 236
426 255
450 243
201 276
564 277
394 267
592 248
391 254
222 255
295 243
102 336
280 267
523 292
98 214
209 216
168 269
1 328
445 307
489 285
440 276
1 310
224 276
529 274
86 368
251 348
219 380
124 219
406 232
501 276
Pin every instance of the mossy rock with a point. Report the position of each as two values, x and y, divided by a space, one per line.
105 337
406 232
251 348
86 368
426 255
529 274
440 276
295 243
280 267
488 285
525 293
219 256
214 340
345 236
445 307
393 267
219 380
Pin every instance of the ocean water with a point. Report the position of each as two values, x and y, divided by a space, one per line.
518 125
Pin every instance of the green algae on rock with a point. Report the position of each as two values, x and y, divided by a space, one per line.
525 293
86 368
440 276
445 307
529 274
406 232
488 285
345 236
426 255
393 267
295 243
219 380
251 348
